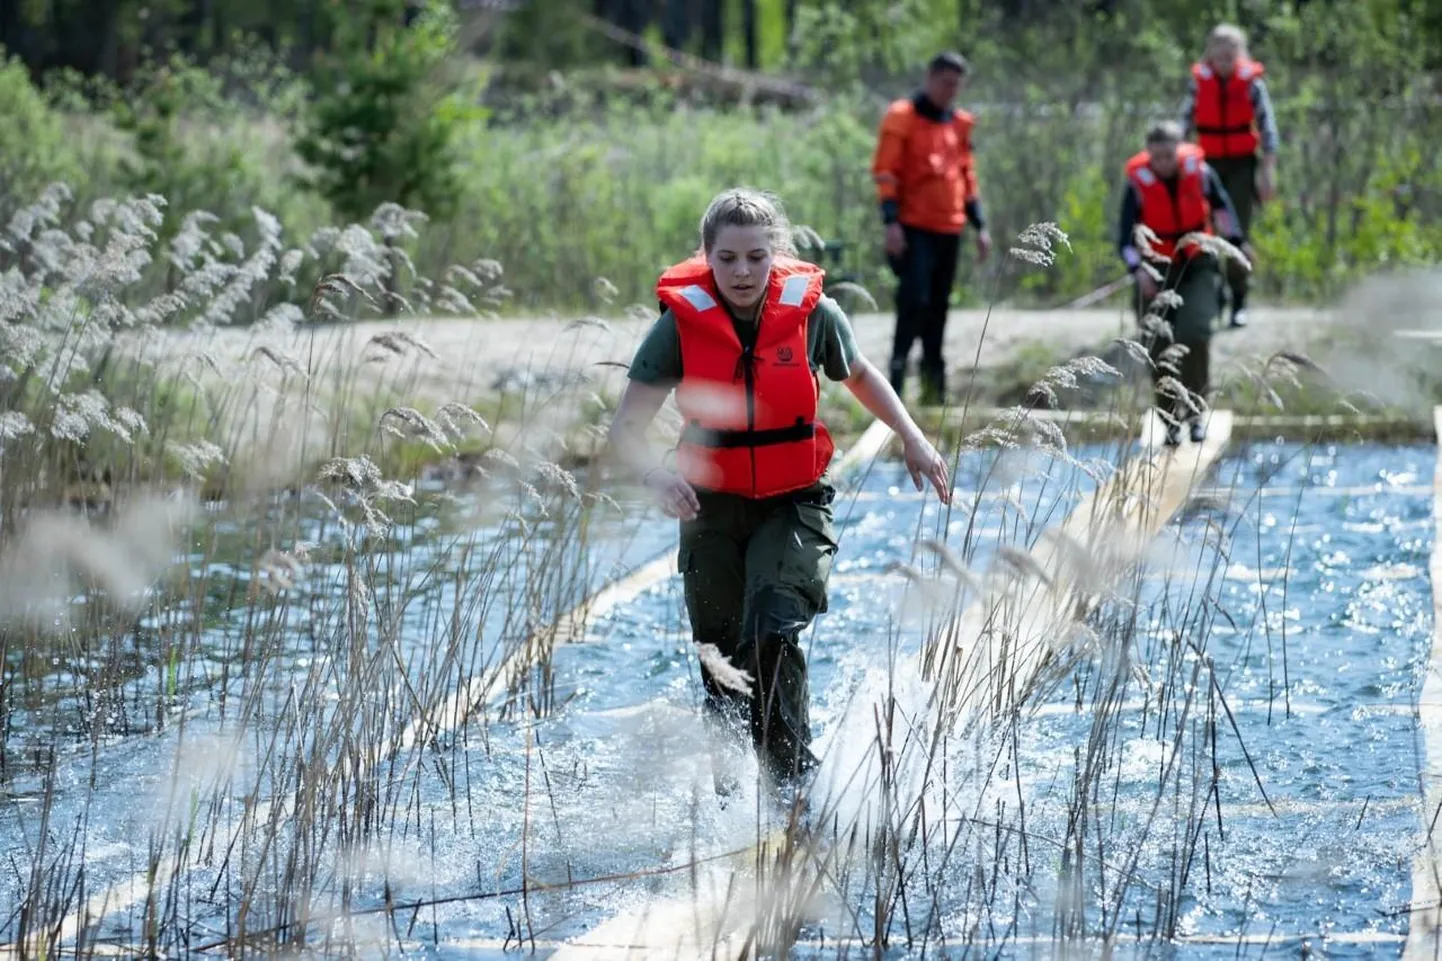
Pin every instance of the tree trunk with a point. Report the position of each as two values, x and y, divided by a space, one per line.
748 27
678 23
713 29
637 20
107 54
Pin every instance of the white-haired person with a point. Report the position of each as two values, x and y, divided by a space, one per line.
1229 111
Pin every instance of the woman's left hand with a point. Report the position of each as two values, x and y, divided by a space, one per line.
922 461
1267 181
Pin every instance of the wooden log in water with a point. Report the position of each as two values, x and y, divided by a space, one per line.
452 712
1424 932
509 676
987 657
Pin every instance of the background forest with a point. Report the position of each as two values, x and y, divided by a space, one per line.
575 142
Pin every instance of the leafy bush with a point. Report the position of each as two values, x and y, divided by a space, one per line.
579 183
383 126
34 150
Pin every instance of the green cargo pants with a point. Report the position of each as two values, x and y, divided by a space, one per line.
755 573
1239 178
1198 281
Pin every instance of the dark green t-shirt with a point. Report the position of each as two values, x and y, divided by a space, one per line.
830 341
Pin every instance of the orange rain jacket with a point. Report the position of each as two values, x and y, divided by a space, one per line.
750 410
923 167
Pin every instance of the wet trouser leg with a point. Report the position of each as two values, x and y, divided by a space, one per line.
1197 282
913 271
945 250
1239 177
755 574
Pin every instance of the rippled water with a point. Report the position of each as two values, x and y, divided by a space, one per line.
1256 774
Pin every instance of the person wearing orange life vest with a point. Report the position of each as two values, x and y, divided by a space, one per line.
926 184
1175 195
744 339
1230 110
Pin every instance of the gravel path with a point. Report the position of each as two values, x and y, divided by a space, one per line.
475 358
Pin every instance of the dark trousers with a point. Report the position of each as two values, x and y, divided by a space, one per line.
925 273
1198 282
755 574
1239 178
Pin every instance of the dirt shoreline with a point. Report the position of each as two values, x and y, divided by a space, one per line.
474 360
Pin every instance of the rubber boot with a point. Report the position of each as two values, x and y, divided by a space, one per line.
1239 309
898 375
933 387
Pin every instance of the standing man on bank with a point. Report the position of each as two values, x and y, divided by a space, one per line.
1172 192
1230 111
926 183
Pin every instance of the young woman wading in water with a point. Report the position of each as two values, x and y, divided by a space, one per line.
743 339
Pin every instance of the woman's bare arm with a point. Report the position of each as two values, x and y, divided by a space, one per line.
630 449
874 391
876 395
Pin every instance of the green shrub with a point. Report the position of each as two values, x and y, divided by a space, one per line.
383 124
34 150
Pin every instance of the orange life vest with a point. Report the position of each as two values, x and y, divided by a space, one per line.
1223 115
1172 215
749 411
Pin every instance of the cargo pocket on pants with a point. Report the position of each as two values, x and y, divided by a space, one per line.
809 560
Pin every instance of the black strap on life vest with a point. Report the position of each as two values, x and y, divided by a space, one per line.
704 437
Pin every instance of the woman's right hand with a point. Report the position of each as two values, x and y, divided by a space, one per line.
675 496
895 240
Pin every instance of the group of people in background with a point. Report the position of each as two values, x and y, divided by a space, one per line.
746 335
1194 179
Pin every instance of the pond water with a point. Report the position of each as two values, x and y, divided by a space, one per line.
1237 755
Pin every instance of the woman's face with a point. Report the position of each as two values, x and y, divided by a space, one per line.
1224 58
741 263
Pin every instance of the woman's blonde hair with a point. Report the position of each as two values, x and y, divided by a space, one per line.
1227 34
747 207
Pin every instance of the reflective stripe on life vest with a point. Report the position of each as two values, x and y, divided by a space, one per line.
1223 114
1172 216
749 410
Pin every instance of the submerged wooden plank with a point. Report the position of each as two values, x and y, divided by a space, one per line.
1423 938
1112 423
449 715
991 655
485 686
977 662
841 947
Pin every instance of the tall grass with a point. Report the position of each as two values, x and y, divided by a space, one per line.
289 643
292 650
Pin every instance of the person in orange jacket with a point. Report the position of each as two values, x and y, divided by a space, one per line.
926 183
744 340
1230 111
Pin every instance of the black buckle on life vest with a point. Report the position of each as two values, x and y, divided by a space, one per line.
700 436
1225 131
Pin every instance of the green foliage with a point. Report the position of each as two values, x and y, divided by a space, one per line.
188 170
384 127
578 183
838 41
548 34
34 149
